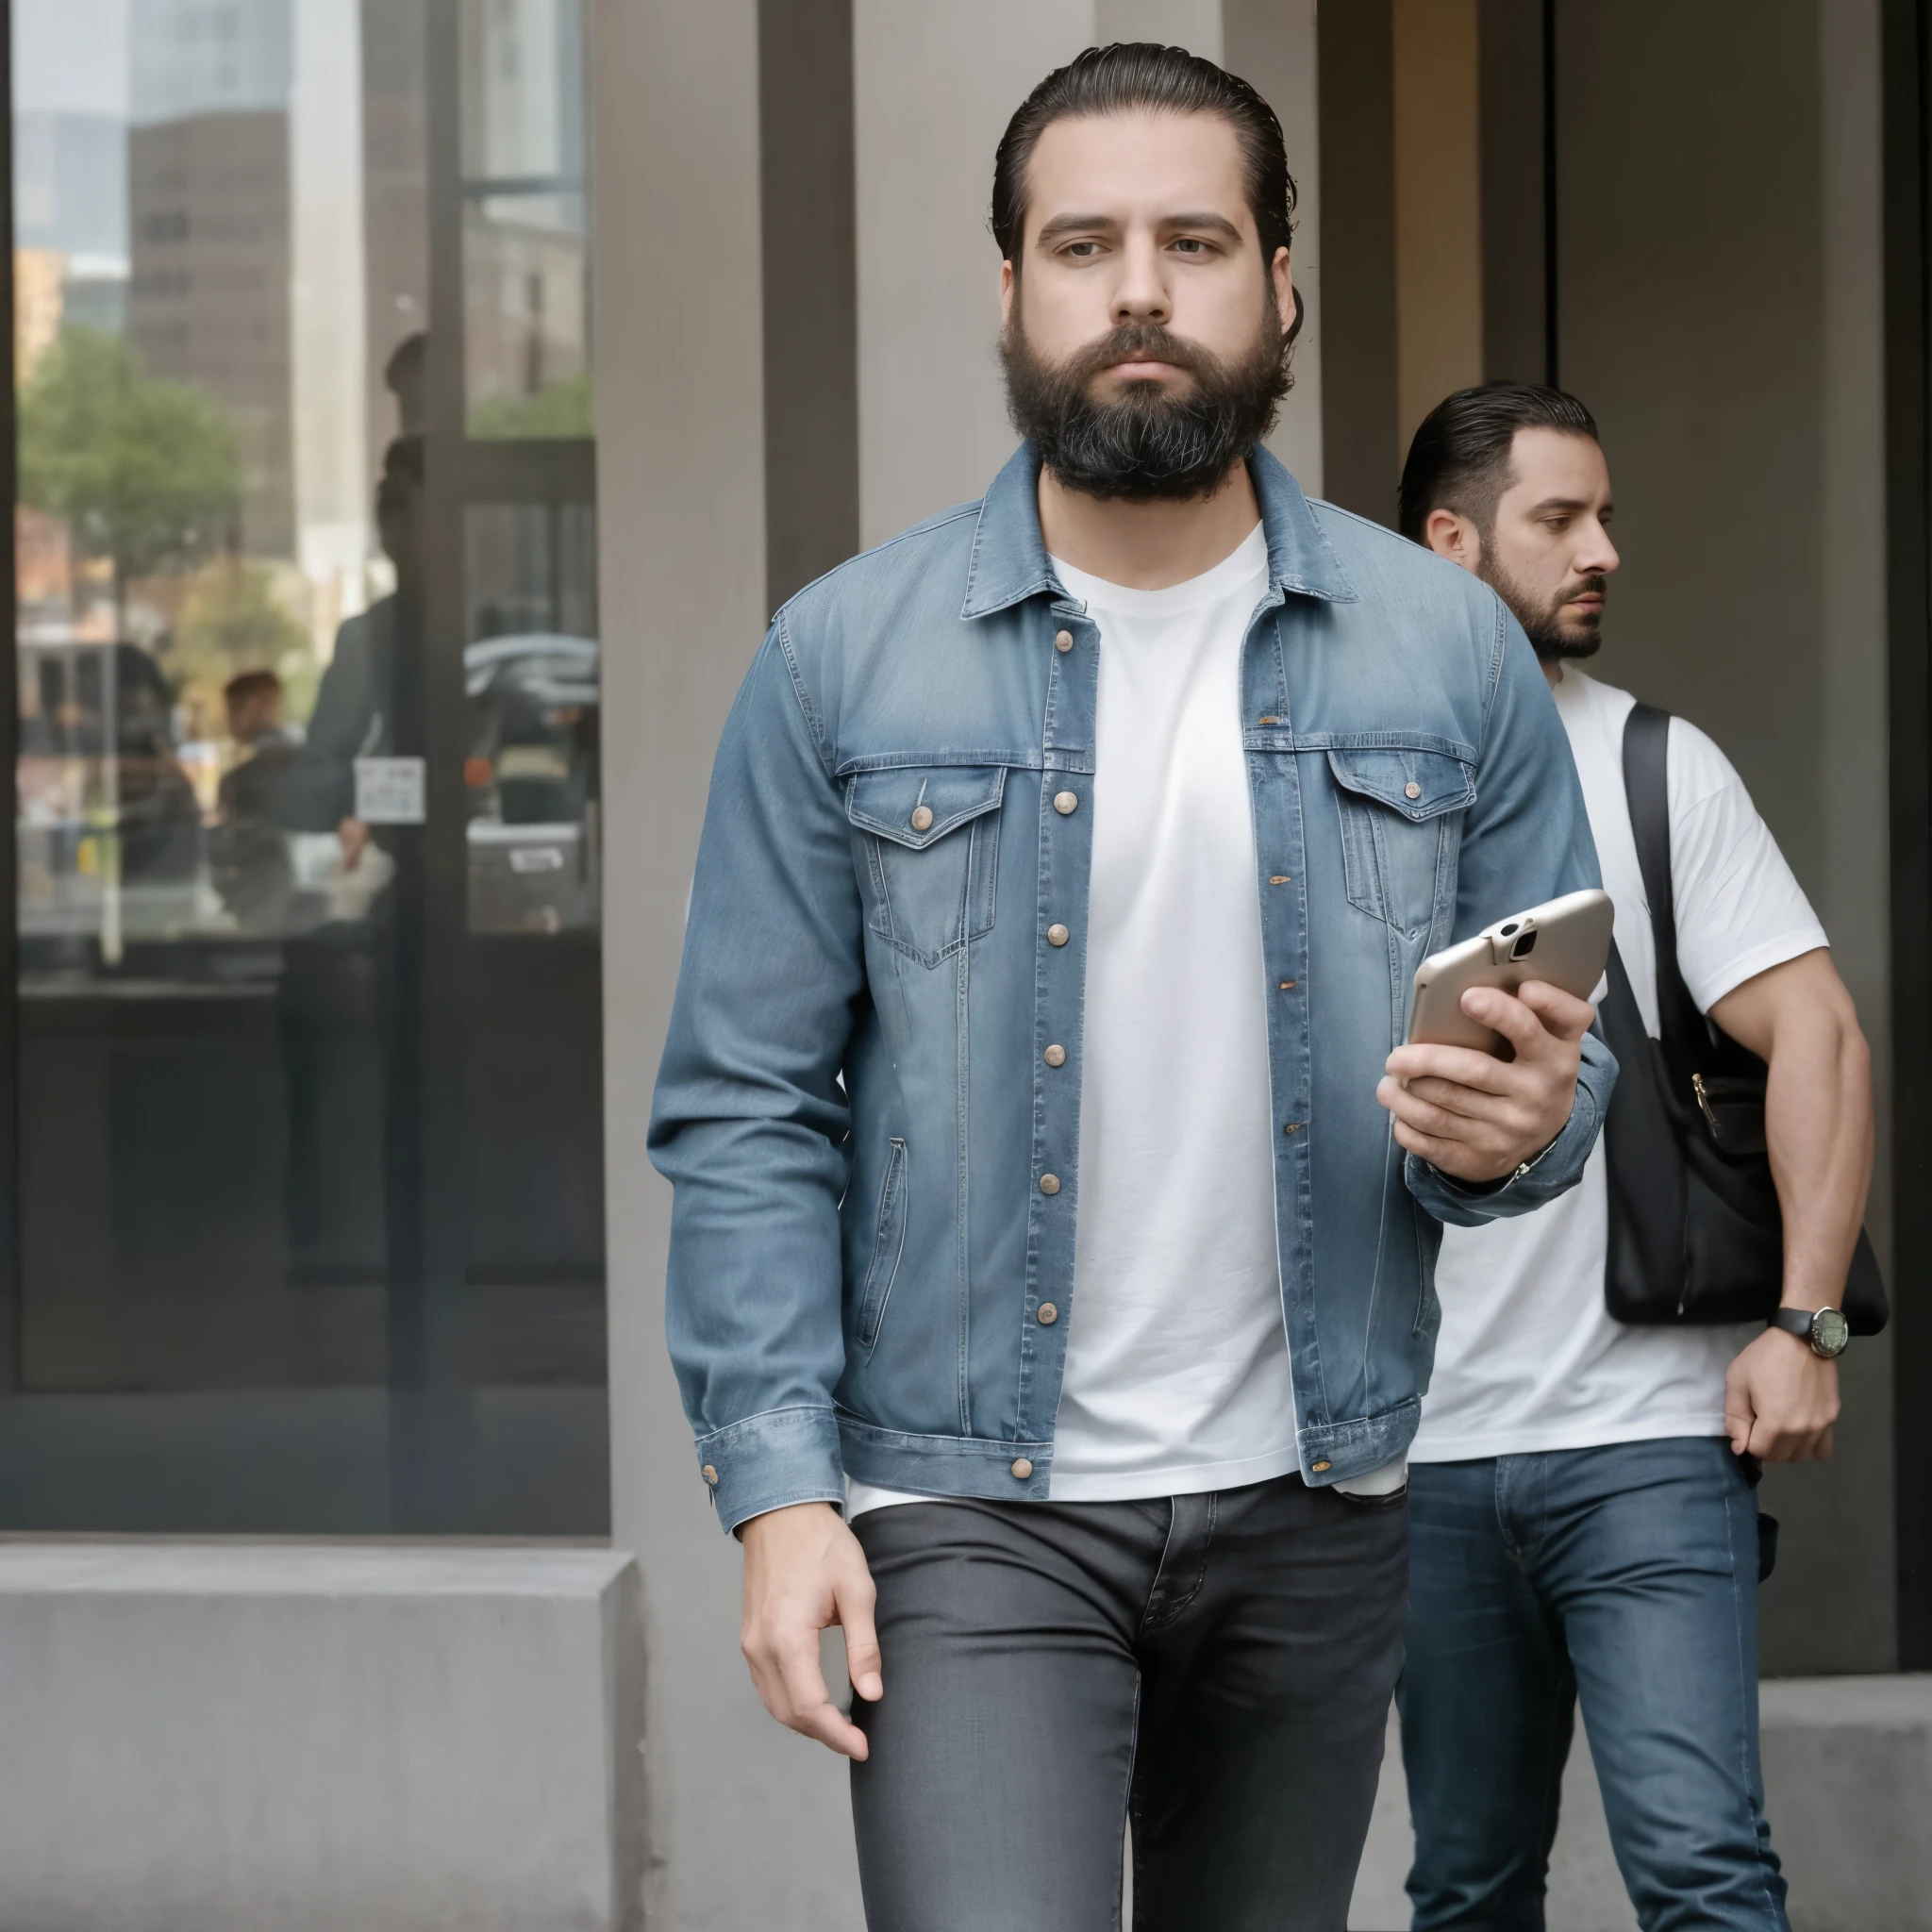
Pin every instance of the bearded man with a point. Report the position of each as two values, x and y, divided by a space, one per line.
1049 1287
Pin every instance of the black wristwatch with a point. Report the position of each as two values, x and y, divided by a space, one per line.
1827 1329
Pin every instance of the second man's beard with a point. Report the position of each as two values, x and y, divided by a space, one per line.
1146 445
1542 622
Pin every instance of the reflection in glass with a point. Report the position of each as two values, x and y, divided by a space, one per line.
525 260
227 661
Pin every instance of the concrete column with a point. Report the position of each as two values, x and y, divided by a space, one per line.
934 85
1840 1517
747 1824
1271 45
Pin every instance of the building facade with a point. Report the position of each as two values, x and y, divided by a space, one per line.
346 331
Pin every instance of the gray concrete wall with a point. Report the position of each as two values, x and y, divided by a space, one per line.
226 1737
746 1825
1720 285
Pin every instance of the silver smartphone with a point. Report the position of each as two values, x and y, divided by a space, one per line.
1564 942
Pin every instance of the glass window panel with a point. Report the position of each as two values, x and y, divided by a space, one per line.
257 582
526 282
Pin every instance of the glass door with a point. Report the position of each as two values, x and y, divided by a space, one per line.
307 1040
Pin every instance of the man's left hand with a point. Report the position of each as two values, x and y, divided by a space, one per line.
1477 1118
1780 1400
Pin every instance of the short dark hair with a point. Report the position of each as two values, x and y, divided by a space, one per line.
251 684
1459 460
1133 74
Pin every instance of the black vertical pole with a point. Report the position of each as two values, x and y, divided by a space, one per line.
1551 302
431 1463
1907 178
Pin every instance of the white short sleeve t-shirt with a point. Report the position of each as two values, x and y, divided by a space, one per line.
1529 1358
1176 1373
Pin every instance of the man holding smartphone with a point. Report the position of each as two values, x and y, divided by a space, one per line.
1049 1293
1581 1511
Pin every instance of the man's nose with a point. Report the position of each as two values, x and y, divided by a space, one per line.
1597 555
1142 293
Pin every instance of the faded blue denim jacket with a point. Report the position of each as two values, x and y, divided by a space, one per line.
875 1156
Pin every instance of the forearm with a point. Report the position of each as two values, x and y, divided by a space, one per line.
1818 1127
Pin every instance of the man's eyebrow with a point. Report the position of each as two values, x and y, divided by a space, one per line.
1087 224
1560 503
1072 225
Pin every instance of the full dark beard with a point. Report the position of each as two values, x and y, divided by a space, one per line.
1148 444
1541 624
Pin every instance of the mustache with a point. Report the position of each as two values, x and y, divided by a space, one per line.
1137 341
1584 587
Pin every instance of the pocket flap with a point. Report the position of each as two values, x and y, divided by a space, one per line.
1418 784
887 801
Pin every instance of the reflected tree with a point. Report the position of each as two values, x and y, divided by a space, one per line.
143 471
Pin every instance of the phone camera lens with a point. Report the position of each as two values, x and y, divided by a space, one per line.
1525 946
1510 928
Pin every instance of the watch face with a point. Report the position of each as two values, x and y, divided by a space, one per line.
1830 1331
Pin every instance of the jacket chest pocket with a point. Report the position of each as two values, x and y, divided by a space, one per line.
1401 813
930 835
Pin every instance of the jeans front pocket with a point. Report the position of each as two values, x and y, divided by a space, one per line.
888 1244
1401 809
930 835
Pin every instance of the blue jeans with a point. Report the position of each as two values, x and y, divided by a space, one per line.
1624 1576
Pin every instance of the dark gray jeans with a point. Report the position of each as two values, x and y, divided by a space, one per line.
1219 1665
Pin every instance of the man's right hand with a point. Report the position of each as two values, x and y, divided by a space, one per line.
804 1570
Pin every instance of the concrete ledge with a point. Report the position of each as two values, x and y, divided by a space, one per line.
226 1737
1848 1785
1848 1788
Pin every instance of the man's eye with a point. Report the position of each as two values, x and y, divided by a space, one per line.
1190 244
1081 250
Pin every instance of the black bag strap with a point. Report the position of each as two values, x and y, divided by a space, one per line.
1647 790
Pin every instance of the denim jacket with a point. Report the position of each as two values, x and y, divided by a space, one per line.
870 1098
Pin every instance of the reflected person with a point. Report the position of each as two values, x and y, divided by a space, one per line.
246 850
356 706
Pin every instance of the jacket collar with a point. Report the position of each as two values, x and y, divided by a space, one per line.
1010 561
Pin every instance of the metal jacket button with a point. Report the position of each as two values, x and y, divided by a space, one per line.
922 819
1065 802
1049 1184
1411 790
1058 935
1022 1469
1048 1314
1064 640
1055 1055
711 1476
1319 1467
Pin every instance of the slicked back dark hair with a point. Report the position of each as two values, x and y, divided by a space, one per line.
1142 76
1459 459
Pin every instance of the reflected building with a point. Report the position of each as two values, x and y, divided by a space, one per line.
210 228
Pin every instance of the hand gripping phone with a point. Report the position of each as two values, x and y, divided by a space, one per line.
1564 942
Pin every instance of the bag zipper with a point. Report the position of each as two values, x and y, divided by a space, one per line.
1698 1087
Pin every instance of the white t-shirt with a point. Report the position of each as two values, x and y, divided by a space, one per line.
1176 1373
1529 1358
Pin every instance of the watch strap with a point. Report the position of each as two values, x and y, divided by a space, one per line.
1793 1322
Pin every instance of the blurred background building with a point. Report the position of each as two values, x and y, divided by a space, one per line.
332 1394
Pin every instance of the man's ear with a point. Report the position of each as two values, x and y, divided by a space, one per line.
1006 295
1453 536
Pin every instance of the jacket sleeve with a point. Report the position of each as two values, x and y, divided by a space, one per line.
750 1120
1526 839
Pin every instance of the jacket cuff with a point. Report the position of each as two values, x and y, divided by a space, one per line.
1555 1169
771 1460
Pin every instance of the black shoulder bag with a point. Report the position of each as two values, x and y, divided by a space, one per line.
1696 1234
